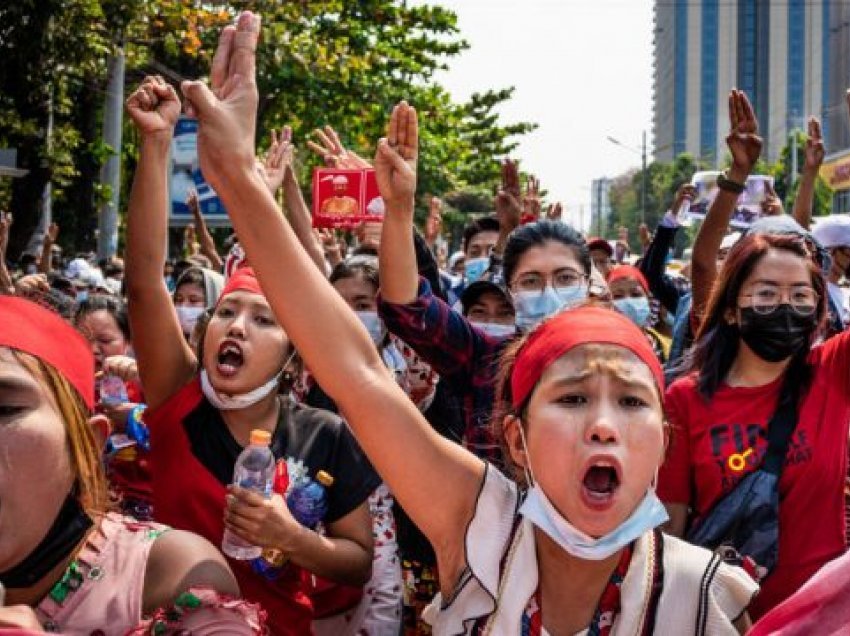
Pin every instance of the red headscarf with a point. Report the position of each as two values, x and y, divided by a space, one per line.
30 328
628 271
569 329
242 279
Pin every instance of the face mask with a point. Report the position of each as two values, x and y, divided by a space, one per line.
495 329
776 336
532 307
82 296
188 317
635 309
235 402
374 325
474 269
31 269
537 508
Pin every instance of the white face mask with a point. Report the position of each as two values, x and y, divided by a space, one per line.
374 325
495 329
242 401
188 317
537 508
532 307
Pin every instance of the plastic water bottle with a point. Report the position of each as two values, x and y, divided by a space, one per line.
254 470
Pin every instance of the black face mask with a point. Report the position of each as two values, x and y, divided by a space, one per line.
65 534
778 335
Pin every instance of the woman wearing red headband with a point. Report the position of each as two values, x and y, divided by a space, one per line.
66 565
630 296
201 411
583 420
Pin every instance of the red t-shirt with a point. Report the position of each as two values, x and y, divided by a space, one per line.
718 442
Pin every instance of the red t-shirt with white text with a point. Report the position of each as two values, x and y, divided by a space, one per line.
717 442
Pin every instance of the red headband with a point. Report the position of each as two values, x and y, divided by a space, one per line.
628 271
30 328
242 279
569 329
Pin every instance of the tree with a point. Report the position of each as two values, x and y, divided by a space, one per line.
320 62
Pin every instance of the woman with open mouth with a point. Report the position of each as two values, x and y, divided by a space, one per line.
579 549
201 411
67 564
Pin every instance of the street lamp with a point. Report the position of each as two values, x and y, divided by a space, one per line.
642 153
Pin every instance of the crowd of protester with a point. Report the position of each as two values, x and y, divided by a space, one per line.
541 433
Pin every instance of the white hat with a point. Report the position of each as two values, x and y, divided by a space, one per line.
340 179
833 231
455 258
729 240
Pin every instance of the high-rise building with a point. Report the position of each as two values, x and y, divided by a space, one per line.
792 58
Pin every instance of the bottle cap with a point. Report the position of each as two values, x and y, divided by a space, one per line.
325 479
260 437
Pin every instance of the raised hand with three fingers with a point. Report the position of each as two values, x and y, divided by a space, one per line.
815 150
531 199
329 147
508 205
396 158
743 140
278 160
227 109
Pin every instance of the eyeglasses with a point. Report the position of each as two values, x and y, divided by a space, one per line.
765 298
535 281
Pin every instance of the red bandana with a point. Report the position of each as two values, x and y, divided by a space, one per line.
30 328
569 329
628 271
242 279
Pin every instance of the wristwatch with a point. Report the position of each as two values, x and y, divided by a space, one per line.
728 185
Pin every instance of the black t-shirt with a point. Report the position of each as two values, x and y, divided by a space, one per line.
308 439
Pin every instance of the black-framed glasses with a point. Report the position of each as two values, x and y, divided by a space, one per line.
766 297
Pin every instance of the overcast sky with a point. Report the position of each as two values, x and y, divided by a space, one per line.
582 71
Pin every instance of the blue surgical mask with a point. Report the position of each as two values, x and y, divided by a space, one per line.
635 309
532 307
537 508
82 296
474 269
374 325
495 329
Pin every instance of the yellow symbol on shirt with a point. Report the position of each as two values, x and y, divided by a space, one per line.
738 461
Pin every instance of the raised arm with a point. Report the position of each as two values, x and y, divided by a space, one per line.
745 147
417 463
165 360
281 173
508 206
202 233
397 257
7 286
654 260
45 266
815 153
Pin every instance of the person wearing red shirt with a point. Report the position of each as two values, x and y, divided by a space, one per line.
762 321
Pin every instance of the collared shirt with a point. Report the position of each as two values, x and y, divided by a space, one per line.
465 357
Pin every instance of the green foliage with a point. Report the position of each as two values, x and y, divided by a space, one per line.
321 62
663 179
